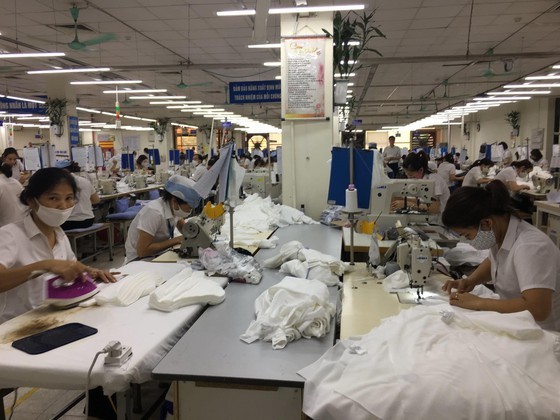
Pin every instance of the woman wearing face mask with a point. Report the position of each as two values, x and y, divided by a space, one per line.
523 263
509 175
538 159
477 173
199 168
143 164
152 229
37 244
415 166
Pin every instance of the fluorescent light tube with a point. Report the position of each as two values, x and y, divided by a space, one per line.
82 70
527 92
513 98
242 12
29 55
106 82
157 97
542 78
17 98
95 111
272 64
532 85
136 91
264 46
314 9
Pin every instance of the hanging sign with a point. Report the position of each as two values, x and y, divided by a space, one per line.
14 106
73 131
255 92
305 78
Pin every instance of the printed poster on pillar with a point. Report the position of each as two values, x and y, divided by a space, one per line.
305 74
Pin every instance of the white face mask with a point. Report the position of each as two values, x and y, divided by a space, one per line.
180 212
53 217
484 239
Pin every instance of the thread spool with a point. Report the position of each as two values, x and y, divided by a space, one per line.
351 199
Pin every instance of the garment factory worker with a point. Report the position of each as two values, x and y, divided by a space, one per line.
113 166
82 215
143 164
415 166
507 157
257 151
476 176
152 229
447 171
199 168
37 244
10 156
523 262
509 175
538 159
11 209
391 156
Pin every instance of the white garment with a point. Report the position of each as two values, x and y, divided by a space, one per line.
17 169
507 175
22 244
156 220
483 362
507 157
198 172
543 164
527 259
129 289
257 152
82 209
445 170
472 177
291 309
187 288
11 209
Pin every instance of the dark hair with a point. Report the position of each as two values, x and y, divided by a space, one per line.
198 156
9 151
483 161
417 161
141 159
494 200
448 158
525 164
6 170
45 180
212 161
536 153
74 167
391 137
503 144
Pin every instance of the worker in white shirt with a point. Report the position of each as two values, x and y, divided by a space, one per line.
10 156
152 230
538 159
507 157
509 175
37 244
392 156
447 171
523 263
199 168
476 176
11 209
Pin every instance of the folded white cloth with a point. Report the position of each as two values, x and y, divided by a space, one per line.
296 268
128 290
289 310
186 288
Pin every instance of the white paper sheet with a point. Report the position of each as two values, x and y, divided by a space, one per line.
31 159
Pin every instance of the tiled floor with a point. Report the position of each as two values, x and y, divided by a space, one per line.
44 404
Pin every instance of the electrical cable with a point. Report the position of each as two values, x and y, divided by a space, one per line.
112 345
13 407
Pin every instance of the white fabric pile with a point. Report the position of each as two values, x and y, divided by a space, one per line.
187 288
128 290
438 362
256 215
291 309
464 254
299 261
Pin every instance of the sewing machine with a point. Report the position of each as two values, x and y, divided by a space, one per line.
259 182
162 177
199 230
414 258
108 186
140 181
382 196
544 182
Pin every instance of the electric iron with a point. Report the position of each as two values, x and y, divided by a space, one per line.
63 294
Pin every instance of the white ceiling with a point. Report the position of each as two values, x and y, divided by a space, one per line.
426 44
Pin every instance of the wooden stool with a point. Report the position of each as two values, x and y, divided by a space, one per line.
74 234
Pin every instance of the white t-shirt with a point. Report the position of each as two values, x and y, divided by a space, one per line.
506 175
11 209
22 244
82 209
17 169
257 152
527 259
445 170
543 164
472 177
156 220
392 152
441 191
198 172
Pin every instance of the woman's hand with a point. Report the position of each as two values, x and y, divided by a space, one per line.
104 276
70 270
465 300
461 286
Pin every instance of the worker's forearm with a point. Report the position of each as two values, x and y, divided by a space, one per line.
14 277
482 274
156 247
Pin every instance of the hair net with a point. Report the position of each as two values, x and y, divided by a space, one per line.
182 188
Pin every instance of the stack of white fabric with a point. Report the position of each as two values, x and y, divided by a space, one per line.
187 288
438 362
256 215
128 290
289 310
299 261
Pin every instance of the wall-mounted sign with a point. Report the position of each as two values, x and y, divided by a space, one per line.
21 107
254 92
73 131
304 59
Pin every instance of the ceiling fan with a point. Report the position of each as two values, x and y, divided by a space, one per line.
183 85
78 45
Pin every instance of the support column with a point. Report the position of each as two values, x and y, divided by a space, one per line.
307 144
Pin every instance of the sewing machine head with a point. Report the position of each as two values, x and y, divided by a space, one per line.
383 195
140 181
108 186
544 182
198 231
